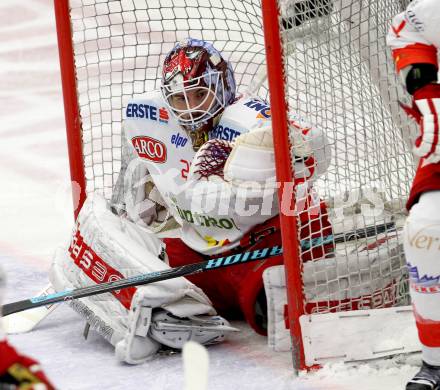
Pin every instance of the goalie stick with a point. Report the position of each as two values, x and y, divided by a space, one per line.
189 269
26 321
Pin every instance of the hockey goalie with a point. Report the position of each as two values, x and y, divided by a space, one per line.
197 181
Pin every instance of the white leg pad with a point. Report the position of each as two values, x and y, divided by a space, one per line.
106 247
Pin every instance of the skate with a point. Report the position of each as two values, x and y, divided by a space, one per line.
428 378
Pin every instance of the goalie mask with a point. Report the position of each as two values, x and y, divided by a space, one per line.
197 84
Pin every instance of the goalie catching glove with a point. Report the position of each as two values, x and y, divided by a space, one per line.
136 320
253 158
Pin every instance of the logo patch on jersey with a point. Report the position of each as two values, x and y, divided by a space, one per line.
261 107
422 281
212 242
146 111
163 115
150 149
223 133
206 220
142 111
178 140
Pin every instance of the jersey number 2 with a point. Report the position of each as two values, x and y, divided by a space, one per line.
185 170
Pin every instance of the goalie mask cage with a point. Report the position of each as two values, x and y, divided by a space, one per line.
327 63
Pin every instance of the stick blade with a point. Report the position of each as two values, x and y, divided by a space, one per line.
25 321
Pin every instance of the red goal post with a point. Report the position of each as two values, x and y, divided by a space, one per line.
279 111
71 104
340 44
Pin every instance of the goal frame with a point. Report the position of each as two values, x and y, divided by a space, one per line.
275 71
306 327
280 129
279 111
71 106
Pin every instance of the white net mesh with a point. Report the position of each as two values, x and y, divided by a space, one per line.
120 46
340 78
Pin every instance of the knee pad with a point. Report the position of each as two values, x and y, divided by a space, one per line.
422 241
422 250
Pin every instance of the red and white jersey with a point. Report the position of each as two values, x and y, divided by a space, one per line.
165 147
414 37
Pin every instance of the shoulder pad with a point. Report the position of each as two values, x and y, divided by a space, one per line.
240 117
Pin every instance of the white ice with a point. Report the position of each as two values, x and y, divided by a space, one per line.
36 216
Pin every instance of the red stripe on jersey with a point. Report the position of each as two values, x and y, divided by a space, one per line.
435 139
415 54
429 330
97 269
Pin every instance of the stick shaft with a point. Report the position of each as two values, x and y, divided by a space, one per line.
189 269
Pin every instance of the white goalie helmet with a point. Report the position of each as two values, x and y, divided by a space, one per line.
197 83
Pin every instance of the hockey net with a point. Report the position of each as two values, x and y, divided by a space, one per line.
335 71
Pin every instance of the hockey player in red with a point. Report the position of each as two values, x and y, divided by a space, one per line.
414 38
19 372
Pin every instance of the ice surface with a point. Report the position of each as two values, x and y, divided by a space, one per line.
36 215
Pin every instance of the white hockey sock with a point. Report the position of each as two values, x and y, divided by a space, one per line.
431 355
422 246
